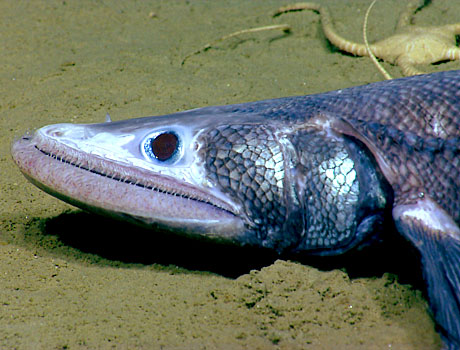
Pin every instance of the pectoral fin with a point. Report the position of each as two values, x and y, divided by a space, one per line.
436 235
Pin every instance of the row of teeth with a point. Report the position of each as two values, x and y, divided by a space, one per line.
76 163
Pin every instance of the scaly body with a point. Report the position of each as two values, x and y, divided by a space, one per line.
317 174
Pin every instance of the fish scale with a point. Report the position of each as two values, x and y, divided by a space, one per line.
256 184
320 174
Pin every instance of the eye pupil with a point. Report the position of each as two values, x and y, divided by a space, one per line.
164 146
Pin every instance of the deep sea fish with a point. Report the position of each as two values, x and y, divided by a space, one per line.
318 174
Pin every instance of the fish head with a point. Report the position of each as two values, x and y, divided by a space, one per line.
182 172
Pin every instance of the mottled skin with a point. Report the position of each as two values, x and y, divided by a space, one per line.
317 174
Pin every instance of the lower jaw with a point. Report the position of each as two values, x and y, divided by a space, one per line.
104 195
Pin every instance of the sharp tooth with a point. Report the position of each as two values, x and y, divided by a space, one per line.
107 118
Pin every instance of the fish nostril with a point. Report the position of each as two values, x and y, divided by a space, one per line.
164 145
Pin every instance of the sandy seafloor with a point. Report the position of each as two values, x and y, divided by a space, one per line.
70 280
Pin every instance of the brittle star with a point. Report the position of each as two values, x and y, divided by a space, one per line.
409 46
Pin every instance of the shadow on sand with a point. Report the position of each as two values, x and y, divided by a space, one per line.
119 241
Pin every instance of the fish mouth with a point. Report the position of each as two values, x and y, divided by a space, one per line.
119 190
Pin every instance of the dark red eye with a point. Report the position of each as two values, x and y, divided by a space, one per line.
164 145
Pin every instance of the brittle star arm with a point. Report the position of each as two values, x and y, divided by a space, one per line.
328 28
409 46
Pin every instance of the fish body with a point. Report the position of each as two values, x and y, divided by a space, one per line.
318 174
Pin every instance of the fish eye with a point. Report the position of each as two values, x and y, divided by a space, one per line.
163 146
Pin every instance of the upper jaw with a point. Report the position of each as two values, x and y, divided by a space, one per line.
81 165
119 156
